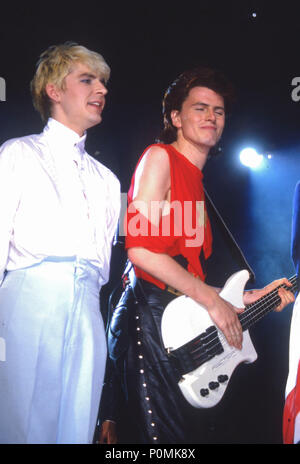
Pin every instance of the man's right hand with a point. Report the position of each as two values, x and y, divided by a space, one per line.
108 433
224 315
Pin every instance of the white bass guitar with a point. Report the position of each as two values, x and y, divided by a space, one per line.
199 348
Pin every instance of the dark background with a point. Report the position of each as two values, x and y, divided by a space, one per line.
147 45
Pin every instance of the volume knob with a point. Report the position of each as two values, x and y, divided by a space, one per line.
204 392
213 385
222 378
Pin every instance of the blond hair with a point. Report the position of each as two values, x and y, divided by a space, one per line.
55 64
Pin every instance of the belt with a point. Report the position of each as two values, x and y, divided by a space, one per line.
130 277
173 291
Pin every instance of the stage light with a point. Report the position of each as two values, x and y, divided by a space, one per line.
250 158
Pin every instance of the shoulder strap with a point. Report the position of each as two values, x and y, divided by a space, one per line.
230 239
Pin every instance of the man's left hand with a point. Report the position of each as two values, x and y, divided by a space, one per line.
286 296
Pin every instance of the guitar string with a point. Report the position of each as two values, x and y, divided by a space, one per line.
250 313
254 308
272 299
260 307
211 351
265 302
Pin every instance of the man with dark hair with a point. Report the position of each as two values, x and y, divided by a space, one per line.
168 254
178 91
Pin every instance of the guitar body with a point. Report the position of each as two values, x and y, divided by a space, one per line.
183 320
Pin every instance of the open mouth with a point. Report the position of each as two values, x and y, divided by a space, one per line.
98 105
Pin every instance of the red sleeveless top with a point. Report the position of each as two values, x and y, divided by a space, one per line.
185 230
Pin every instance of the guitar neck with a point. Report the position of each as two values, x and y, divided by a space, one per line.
257 310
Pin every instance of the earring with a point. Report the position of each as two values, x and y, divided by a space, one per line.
216 150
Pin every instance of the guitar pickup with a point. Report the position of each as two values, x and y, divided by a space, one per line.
196 352
211 342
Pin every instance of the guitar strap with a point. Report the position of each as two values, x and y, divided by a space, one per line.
235 249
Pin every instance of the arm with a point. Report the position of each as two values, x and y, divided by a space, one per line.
108 433
10 190
109 406
153 183
114 205
171 273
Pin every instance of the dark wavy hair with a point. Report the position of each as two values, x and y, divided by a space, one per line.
179 90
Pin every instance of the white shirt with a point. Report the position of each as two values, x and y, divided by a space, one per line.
55 200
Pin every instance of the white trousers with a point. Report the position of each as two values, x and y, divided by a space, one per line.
53 353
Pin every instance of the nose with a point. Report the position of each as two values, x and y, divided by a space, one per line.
100 88
210 114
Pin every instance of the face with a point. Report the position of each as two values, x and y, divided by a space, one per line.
201 119
80 104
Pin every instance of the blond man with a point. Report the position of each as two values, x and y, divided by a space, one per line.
59 210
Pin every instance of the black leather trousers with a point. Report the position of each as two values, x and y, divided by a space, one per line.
150 381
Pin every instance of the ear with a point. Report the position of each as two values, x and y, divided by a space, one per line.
53 92
176 119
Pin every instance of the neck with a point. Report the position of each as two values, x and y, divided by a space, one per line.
71 125
196 154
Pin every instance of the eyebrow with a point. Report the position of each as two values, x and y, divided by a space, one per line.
92 76
206 105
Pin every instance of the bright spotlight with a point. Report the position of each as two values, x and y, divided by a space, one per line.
250 158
